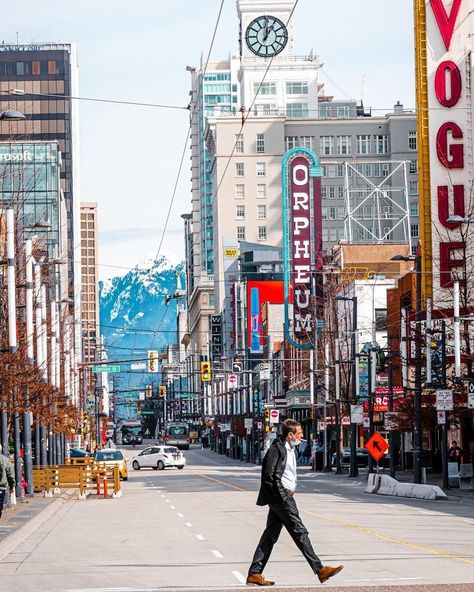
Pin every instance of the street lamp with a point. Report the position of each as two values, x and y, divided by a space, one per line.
353 470
11 115
455 219
417 440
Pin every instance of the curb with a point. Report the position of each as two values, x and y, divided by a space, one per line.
12 541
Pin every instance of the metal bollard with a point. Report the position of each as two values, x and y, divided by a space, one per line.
423 475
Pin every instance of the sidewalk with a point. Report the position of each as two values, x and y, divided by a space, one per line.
14 517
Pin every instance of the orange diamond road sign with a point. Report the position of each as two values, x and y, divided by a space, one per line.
377 446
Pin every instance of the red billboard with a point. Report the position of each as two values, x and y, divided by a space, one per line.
259 292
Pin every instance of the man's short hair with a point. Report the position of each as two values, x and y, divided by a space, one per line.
289 426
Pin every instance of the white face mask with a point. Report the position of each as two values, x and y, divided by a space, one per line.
295 441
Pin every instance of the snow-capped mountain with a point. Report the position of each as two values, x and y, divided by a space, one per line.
135 318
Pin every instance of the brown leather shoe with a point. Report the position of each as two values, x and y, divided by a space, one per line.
258 580
327 572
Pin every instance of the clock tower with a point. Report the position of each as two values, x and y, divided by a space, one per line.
250 10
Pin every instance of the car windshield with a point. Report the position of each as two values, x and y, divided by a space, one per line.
106 456
177 431
171 450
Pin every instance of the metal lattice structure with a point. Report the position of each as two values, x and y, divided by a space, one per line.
377 209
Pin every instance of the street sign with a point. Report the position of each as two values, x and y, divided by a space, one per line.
138 366
259 425
470 395
232 381
441 417
357 414
274 415
106 369
280 401
269 405
376 446
248 422
249 430
148 412
219 375
366 421
264 371
444 400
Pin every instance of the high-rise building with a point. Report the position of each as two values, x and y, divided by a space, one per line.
39 80
89 283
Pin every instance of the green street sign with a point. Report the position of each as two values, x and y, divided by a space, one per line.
105 368
148 412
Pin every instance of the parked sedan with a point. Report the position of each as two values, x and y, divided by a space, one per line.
111 458
159 457
362 456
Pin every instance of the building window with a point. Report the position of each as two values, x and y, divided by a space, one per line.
297 109
381 144
377 170
341 233
341 212
324 213
325 112
262 233
324 192
261 190
385 170
413 187
332 213
240 232
326 144
340 170
260 143
260 169
240 212
291 142
363 144
414 231
261 212
264 88
36 68
367 170
307 142
240 191
332 192
325 235
333 234
412 140
340 191
343 112
239 169
380 319
413 167
296 88
343 145
414 210
239 143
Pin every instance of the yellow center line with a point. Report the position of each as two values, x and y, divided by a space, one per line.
358 527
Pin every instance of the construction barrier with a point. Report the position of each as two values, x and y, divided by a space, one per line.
86 478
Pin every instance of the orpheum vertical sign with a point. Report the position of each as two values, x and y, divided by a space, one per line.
449 26
302 235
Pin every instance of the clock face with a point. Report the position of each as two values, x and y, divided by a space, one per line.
266 36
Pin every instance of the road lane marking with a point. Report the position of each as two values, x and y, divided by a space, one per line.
217 554
172 507
188 524
381 579
360 528
199 537
163 495
167 501
180 515
239 576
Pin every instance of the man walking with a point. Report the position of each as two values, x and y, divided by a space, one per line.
277 490
7 479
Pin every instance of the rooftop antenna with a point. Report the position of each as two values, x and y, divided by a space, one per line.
363 90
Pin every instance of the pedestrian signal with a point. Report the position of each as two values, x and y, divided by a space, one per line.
206 371
152 361
163 391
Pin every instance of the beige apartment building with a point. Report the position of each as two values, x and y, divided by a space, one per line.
90 279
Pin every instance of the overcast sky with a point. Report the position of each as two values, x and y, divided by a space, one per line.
138 51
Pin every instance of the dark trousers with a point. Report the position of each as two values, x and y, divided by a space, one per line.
284 514
2 500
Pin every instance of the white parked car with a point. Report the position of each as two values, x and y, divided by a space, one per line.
159 457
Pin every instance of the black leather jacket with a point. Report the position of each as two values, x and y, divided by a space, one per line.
271 488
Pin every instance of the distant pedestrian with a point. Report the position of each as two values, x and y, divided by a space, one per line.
7 479
455 453
277 490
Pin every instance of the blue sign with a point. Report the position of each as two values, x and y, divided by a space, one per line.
255 345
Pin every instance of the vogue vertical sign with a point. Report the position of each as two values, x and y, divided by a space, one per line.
449 26
302 235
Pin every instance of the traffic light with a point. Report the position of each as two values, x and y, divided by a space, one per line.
267 420
152 361
163 391
148 391
206 371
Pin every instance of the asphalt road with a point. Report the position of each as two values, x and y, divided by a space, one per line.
196 529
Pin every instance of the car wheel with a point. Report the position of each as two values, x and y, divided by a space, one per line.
181 467
136 465
160 465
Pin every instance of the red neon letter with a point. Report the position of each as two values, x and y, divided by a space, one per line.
445 23
443 205
447 262
456 151
444 70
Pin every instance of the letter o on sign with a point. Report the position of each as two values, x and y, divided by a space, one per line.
300 174
448 70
